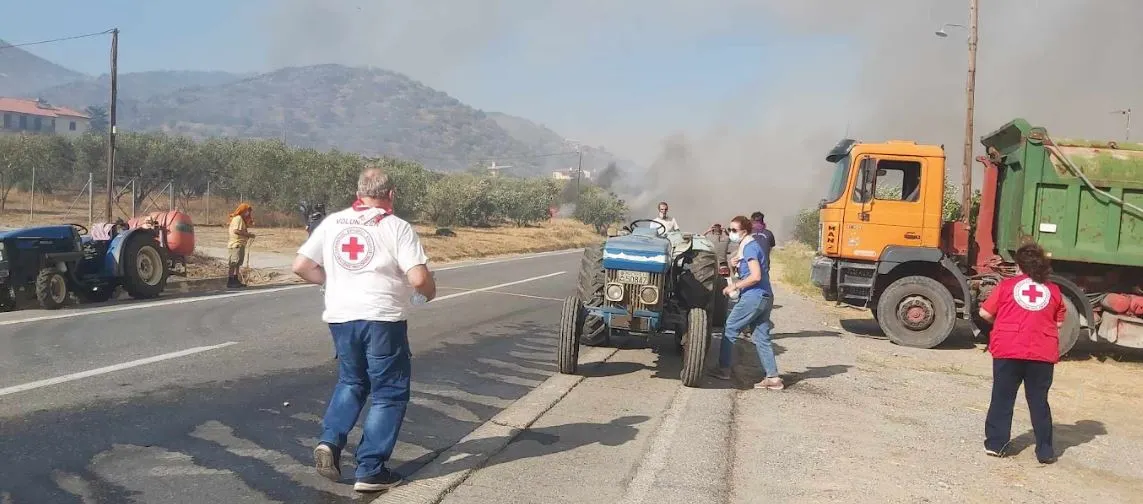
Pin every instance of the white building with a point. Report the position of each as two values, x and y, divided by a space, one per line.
569 174
21 115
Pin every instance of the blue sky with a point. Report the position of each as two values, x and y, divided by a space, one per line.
621 77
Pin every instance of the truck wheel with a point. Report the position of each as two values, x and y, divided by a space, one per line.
590 289
1070 331
144 268
916 311
695 345
571 324
51 289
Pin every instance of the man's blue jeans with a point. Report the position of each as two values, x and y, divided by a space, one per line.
752 309
373 361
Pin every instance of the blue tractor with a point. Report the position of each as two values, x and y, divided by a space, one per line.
45 264
647 281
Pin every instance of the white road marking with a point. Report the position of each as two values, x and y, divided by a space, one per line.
197 299
509 259
516 294
75 484
141 306
302 474
497 286
110 369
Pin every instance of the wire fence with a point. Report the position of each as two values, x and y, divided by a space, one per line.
45 204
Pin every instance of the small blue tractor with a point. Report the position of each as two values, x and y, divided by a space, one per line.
647 281
46 263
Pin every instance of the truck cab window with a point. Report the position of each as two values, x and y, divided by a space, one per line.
898 181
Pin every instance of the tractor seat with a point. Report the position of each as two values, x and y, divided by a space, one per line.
102 231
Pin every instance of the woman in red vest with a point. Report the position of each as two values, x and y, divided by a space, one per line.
1027 311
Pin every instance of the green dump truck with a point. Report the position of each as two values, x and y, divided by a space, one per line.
889 250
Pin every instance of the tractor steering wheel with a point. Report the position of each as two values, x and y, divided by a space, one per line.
83 228
662 231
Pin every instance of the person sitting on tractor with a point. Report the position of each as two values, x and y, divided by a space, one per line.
669 223
239 236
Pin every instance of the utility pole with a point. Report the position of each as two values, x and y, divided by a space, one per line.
111 120
578 170
970 95
90 198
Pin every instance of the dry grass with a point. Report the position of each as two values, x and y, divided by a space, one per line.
791 266
276 232
468 242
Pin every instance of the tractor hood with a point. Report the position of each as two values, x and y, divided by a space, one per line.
47 232
637 252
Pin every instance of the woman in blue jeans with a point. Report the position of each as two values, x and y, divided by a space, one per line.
755 301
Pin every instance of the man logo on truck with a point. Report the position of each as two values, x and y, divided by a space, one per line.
1030 295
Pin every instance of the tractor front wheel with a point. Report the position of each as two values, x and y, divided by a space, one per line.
145 270
51 289
571 327
695 346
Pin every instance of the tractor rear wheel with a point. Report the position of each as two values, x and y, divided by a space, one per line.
695 346
145 270
590 290
701 280
571 323
51 289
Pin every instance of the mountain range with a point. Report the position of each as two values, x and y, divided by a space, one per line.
370 111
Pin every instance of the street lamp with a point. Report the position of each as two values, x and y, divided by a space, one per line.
941 31
1127 113
970 101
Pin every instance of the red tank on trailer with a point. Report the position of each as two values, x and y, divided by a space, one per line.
176 230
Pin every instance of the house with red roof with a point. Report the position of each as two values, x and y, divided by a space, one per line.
21 115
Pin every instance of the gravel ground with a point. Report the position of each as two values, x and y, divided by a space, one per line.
863 420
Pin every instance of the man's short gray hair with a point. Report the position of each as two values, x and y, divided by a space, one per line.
373 183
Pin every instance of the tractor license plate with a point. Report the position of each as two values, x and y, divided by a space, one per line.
633 277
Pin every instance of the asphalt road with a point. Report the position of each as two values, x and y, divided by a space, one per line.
219 399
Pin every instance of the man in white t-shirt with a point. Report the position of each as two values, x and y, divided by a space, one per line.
669 223
371 263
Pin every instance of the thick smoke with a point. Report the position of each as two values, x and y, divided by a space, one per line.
1064 64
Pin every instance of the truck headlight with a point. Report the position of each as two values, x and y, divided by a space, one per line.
613 292
649 295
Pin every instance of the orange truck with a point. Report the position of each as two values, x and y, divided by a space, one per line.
883 243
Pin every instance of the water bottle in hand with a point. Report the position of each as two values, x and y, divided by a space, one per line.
418 299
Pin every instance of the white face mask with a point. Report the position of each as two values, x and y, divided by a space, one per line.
735 236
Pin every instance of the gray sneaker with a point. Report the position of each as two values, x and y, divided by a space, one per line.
327 461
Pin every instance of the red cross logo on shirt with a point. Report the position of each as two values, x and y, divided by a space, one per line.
352 248
1031 295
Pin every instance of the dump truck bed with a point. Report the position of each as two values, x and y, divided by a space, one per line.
1042 196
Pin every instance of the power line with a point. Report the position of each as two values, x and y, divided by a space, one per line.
61 39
